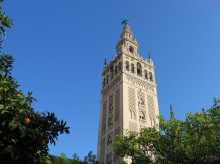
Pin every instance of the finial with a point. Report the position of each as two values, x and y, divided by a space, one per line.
125 21
149 54
105 62
172 113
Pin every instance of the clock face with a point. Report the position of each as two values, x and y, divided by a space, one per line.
131 49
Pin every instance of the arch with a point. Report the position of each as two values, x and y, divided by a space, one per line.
131 114
109 141
145 74
127 65
151 76
135 118
131 49
132 67
119 66
107 79
139 72
116 70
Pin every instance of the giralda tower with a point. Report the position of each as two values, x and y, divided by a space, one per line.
128 95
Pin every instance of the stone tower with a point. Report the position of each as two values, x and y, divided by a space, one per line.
128 96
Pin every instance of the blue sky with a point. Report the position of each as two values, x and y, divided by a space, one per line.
60 46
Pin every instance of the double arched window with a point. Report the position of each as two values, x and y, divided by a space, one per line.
132 115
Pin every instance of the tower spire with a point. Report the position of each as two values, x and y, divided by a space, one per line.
172 113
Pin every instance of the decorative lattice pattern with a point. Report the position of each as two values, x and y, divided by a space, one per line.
116 132
133 126
102 150
117 106
141 99
131 98
150 101
104 117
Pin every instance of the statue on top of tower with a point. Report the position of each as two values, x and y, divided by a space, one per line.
125 21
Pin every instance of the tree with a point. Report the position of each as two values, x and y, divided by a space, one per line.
24 133
195 140
89 159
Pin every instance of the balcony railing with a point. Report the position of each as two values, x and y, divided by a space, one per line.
143 121
141 105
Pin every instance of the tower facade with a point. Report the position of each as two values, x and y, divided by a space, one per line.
128 96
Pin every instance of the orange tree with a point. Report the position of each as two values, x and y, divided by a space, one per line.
24 133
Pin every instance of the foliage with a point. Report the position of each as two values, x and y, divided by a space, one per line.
196 140
24 133
89 159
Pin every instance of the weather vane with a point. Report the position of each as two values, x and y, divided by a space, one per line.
105 61
125 21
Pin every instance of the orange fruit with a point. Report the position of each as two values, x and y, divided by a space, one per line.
42 143
48 128
58 129
27 120
18 95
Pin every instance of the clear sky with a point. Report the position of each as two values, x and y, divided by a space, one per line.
60 46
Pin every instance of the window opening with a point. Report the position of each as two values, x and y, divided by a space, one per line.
151 77
127 65
119 66
139 69
132 68
145 74
116 70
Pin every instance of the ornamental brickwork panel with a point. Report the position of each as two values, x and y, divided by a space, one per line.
150 101
117 106
116 132
131 99
104 117
133 126
141 99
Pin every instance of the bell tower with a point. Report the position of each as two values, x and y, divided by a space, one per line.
128 95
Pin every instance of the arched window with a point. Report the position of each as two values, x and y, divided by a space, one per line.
131 49
110 122
134 115
139 69
141 116
107 79
145 74
132 67
119 66
127 65
116 70
109 141
131 114
151 76
141 102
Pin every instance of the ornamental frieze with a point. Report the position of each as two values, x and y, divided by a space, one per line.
141 83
